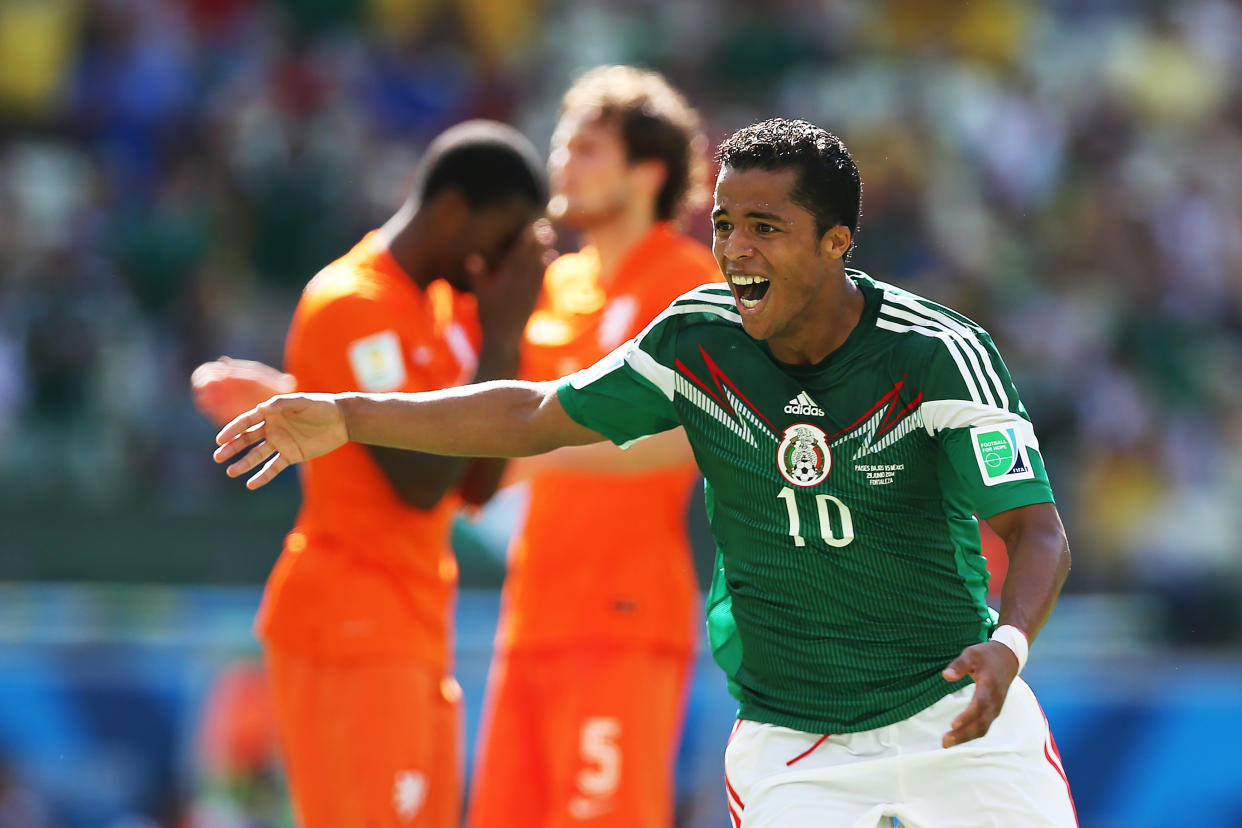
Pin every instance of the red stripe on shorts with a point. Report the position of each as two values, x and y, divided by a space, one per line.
733 793
1054 758
809 750
733 797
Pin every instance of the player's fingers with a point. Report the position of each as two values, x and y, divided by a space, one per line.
961 735
959 667
252 460
974 721
234 445
239 424
972 711
266 474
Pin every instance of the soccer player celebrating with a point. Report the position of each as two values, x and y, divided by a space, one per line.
354 620
849 432
600 595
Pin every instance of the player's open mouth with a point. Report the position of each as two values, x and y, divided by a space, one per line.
749 290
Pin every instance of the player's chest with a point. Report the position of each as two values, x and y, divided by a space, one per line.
859 428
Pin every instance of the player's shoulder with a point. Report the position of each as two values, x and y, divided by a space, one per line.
353 285
341 306
705 304
902 313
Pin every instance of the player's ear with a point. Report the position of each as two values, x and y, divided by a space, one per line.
651 173
835 242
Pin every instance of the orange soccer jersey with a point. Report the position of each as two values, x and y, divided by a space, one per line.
362 573
600 604
355 618
604 559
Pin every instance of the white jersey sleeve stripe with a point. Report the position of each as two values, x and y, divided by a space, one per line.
941 414
643 363
950 345
730 313
953 325
710 292
963 343
629 354
652 371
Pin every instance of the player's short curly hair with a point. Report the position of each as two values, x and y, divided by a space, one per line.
488 162
829 186
655 122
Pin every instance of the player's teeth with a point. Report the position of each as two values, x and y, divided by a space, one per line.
750 303
739 279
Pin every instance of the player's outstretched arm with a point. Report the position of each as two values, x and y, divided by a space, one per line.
1039 562
492 419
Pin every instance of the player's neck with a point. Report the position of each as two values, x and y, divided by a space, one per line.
614 237
409 242
832 316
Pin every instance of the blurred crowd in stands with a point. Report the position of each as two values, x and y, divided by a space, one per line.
1067 172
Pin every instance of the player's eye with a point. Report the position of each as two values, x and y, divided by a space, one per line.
765 228
722 226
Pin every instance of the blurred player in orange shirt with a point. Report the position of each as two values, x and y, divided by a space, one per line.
588 685
355 617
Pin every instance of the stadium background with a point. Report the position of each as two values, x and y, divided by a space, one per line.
1068 172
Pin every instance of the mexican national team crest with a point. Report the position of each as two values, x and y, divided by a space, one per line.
803 456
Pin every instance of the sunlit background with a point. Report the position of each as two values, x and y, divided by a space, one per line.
1068 173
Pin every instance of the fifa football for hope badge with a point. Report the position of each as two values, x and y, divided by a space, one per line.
1001 454
803 456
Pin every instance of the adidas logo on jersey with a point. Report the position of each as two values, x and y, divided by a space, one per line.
803 405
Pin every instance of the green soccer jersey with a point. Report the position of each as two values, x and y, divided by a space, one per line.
841 495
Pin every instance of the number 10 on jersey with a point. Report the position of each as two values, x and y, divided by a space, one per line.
826 532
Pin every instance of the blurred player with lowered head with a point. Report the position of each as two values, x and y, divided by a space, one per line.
597 634
355 617
850 432
596 602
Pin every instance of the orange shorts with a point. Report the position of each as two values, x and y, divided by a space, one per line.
583 735
372 742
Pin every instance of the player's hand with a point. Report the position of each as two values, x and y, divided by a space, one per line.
993 667
287 430
507 293
226 387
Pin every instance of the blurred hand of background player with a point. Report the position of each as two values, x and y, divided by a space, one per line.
288 430
993 667
226 387
506 294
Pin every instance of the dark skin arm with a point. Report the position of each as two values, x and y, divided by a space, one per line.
422 480
1039 561
506 296
481 480
495 419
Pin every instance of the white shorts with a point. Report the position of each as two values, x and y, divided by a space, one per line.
1009 778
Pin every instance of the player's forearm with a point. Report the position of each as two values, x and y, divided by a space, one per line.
494 419
1039 562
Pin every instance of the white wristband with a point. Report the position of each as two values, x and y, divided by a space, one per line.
1014 639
